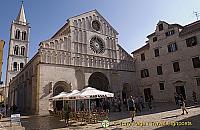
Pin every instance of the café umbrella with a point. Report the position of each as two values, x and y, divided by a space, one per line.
92 93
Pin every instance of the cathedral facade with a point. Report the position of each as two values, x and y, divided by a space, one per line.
84 52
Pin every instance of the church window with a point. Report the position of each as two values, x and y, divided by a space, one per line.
17 34
15 66
22 51
51 45
16 50
21 66
97 45
24 35
96 25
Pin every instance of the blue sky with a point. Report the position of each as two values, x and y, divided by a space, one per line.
133 19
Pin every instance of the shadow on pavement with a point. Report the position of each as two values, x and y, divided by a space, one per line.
191 123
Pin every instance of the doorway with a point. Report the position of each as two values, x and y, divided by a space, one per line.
147 93
181 90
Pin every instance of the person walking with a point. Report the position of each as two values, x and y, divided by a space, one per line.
131 107
194 95
176 99
66 113
119 104
149 100
141 101
182 104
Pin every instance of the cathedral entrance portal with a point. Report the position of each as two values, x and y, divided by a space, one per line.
59 87
99 81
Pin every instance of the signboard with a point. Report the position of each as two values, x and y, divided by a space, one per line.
15 119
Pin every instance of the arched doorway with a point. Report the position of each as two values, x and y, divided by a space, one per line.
59 87
180 88
99 81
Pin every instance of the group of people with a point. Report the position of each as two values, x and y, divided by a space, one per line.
180 101
135 105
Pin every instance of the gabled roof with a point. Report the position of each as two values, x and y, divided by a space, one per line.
98 14
80 15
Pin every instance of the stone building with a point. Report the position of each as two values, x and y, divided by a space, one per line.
84 52
2 43
169 62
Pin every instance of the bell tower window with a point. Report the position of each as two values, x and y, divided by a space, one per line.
16 50
15 66
21 66
17 34
24 35
22 51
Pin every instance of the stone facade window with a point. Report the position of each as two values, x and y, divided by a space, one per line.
159 70
172 47
142 57
144 73
169 33
176 67
162 86
196 62
156 52
198 81
154 39
192 41
160 27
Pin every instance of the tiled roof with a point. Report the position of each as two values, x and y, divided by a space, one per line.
141 48
190 28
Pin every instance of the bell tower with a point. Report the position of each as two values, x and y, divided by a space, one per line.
18 45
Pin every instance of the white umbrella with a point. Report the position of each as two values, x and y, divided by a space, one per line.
92 93
60 96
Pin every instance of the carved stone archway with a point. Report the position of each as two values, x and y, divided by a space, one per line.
60 86
99 81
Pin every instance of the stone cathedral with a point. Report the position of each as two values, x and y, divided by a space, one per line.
84 52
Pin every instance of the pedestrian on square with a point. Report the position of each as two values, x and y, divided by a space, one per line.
131 106
141 101
176 99
115 104
66 113
149 100
182 104
194 95
119 104
137 105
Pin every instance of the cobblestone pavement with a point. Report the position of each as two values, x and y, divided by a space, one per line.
163 117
